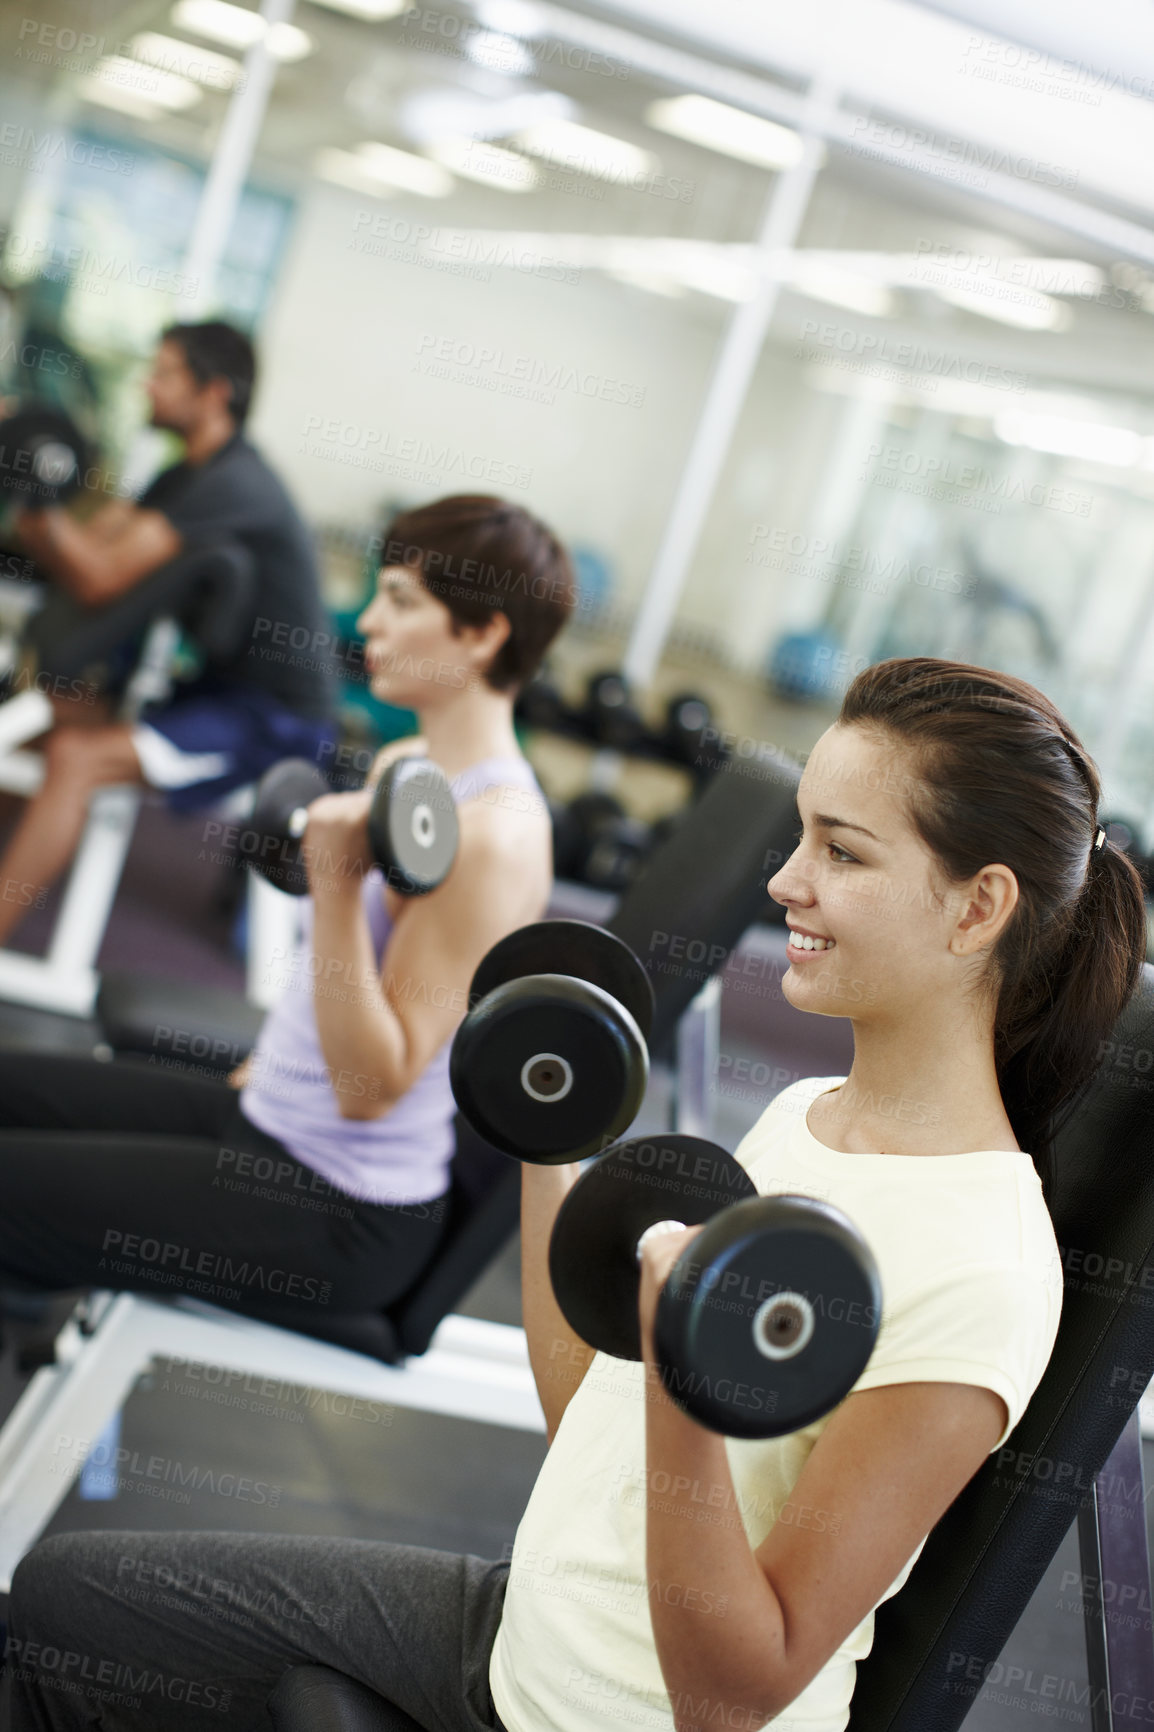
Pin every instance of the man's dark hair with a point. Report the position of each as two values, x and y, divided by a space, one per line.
215 350
478 554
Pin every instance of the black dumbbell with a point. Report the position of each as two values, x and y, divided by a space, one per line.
596 842
540 703
43 457
768 1318
686 717
611 715
550 1064
412 824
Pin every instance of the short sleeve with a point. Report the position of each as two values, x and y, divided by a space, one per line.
983 1325
210 506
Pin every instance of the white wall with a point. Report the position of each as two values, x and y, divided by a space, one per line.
364 343
349 340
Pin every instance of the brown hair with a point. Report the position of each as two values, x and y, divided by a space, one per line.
998 775
476 553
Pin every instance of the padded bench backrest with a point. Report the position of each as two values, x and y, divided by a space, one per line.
982 1562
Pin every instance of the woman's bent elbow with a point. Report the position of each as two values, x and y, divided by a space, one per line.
363 1107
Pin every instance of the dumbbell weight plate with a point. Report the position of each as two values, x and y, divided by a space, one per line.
769 1317
571 947
43 457
549 1068
540 703
613 717
686 716
593 1250
618 852
275 853
413 829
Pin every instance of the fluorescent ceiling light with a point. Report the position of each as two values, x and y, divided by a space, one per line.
512 17
205 65
1119 447
718 277
841 288
581 148
342 168
497 51
401 169
92 89
431 114
1023 308
238 27
163 90
958 267
733 131
652 282
369 11
486 163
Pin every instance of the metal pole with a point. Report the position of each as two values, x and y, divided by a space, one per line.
732 374
230 164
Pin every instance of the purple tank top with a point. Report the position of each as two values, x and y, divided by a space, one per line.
402 1157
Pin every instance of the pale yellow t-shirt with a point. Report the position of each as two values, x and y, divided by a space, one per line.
971 1293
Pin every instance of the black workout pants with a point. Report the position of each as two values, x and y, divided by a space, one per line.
127 1176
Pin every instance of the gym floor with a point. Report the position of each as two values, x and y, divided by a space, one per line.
394 1474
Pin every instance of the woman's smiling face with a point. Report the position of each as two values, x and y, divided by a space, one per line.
864 881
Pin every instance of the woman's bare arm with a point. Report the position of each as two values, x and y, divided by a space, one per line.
378 1030
747 1631
559 1358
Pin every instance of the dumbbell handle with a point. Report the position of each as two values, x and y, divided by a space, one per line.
657 1230
298 822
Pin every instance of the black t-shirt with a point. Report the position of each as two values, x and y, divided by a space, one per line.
234 495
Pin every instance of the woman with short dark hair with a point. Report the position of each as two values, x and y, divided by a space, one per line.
315 1186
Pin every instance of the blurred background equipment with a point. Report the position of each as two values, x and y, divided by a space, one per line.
44 457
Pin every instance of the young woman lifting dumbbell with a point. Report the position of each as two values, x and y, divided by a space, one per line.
951 895
313 1187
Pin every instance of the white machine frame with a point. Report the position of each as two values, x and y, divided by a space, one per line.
473 1369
